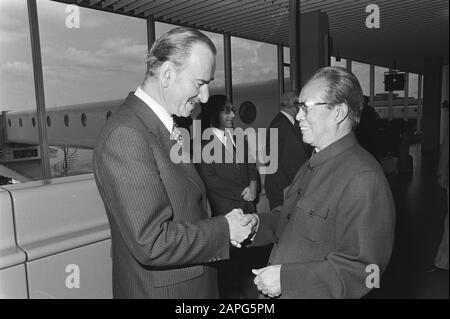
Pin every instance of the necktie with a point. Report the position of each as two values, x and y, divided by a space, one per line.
228 141
176 134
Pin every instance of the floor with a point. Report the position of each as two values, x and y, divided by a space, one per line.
421 208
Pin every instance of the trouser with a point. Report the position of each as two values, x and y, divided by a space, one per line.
441 260
235 274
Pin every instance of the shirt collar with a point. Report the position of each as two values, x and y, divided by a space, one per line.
332 150
289 116
220 135
162 114
218 132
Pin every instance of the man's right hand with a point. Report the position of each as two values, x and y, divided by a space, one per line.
240 227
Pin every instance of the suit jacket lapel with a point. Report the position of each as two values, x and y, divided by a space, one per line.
157 128
236 166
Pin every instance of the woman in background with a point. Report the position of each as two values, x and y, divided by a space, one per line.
229 186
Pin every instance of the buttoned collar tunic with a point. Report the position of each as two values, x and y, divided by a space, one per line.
336 226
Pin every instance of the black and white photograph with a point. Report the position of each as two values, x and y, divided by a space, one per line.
224 155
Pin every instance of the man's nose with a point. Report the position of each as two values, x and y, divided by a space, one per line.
203 95
300 115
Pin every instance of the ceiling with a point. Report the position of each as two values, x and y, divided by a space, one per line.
410 30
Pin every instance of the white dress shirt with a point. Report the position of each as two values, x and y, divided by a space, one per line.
221 135
161 112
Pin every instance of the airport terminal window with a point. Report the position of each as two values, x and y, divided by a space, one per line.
382 97
16 93
413 85
342 62
255 79
287 80
379 83
362 72
287 59
100 60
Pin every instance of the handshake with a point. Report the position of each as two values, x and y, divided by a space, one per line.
241 226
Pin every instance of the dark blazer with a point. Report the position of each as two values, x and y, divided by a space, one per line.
226 181
292 153
337 219
162 235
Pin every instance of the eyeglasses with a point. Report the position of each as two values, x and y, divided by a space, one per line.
305 108
228 110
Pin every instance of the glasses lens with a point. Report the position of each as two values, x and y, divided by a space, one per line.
228 110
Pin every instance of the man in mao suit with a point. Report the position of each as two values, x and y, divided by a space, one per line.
163 237
337 224
292 152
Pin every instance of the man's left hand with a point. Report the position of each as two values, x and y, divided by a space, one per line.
249 193
267 280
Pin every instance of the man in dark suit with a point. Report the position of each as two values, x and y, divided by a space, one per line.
292 152
334 235
366 131
163 236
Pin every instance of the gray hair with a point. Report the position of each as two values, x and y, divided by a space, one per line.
343 87
287 99
175 46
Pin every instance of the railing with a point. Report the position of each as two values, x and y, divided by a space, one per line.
51 235
70 157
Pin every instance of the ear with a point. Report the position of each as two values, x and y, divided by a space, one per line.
341 112
166 73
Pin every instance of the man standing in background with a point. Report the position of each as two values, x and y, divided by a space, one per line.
292 152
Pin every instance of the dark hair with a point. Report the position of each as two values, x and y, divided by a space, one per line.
366 100
343 87
175 46
210 112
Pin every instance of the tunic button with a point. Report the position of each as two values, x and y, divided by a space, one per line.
277 241
288 216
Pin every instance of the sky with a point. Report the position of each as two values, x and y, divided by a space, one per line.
104 58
